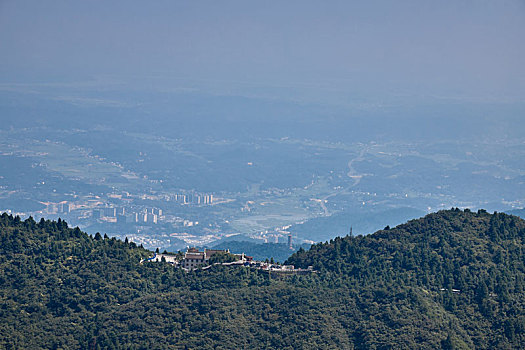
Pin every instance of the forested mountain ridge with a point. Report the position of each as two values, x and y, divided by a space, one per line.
471 263
446 239
453 279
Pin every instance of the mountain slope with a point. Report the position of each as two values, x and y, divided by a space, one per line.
452 279
471 264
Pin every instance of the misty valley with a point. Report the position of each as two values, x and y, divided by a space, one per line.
205 191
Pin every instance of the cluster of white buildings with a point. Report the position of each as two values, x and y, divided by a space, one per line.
148 215
58 208
193 198
194 259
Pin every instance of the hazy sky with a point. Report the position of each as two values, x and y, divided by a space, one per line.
472 48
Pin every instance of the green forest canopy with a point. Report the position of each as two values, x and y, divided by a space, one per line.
452 279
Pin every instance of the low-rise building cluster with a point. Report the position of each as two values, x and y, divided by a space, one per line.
195 259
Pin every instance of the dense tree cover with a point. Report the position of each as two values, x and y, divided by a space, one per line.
453 279
456 268
222 257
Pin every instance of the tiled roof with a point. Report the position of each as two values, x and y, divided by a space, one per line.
199 255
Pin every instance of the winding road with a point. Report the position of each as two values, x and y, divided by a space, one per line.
351 174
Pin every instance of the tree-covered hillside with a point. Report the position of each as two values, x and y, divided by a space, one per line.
465 267
453 279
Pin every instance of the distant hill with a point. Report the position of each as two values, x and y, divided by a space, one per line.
453 279
517 212
261 251
362 222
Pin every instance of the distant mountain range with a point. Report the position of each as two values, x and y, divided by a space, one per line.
452 279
